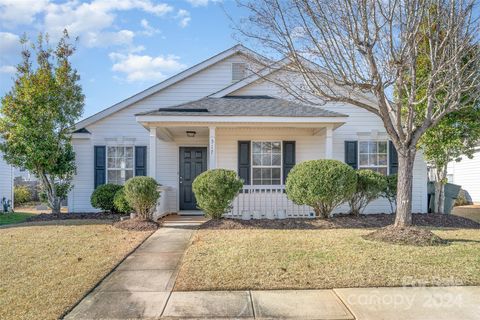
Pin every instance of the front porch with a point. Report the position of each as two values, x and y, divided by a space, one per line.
261 149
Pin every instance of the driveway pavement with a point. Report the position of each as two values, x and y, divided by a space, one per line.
141 288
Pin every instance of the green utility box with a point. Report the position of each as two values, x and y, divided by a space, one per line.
451 194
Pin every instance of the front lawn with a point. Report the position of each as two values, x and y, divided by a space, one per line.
46 268
16 217
240 259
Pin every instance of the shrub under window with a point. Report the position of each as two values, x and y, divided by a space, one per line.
121 203
321 184
215 191
142 195
370 185
102 197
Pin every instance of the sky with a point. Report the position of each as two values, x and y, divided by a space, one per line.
124 46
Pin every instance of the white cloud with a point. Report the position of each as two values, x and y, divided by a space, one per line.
201 3
104 39
8 69
91 21
18 12
145 67
184 17
148 30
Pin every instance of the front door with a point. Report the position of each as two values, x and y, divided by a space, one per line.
193 161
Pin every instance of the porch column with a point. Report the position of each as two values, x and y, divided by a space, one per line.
212 156
329 142
152 155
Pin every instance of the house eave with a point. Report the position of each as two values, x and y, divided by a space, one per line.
149 121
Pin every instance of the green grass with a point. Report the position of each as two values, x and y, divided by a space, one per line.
317 259
16 217
45 269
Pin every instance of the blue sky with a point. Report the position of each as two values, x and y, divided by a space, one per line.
125 46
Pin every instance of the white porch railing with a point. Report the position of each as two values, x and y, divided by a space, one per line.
266 202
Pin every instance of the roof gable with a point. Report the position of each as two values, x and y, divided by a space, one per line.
237 49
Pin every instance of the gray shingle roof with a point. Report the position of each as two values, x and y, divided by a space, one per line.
244 106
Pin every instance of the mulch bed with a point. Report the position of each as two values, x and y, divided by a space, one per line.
136 225
406 236
344 222
76 216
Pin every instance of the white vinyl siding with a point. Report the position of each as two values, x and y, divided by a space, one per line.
466 173
6 181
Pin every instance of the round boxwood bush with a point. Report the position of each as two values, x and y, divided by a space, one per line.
215 190
102 197
142 195
370 185
121 203
321 184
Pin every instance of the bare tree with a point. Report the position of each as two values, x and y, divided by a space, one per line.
365 53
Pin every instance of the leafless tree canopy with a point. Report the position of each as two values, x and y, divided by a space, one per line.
372 46
369 53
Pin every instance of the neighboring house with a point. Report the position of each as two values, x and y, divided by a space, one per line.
466 173
24 175
6 181
219 115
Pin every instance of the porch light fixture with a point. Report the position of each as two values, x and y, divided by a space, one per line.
191 134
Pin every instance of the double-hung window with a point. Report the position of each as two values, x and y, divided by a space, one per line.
119 164
266 162
373 155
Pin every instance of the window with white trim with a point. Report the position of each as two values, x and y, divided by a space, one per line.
119 164
373 155
266 162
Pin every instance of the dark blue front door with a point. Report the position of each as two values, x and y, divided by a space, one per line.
193 161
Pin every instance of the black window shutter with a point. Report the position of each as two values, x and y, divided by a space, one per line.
288 158
351 153
140 161
99 153
393 159
244 161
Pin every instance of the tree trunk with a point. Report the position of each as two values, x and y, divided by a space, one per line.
49 188
406 159
440 180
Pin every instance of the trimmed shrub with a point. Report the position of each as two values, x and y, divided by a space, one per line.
390 191
370 185
142 195
21 195
215 190
102 197
322 184
120 202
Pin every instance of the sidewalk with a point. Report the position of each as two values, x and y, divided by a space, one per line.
141 288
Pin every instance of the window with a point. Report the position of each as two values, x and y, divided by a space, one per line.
119 164
373 155
238 71
266 163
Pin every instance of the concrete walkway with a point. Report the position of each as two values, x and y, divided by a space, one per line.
141 288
